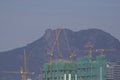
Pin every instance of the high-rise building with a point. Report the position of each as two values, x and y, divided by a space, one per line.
109 72
84 68
117 71
60 70
89 69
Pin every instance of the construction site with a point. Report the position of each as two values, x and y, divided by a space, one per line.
84 68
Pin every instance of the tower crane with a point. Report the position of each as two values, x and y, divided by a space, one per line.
101 51
23 71
50 52
90 49
72 53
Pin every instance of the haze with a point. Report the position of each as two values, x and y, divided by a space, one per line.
24 21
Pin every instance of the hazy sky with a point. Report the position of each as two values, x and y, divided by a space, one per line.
24 21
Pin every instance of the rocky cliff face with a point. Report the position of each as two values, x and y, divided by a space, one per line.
37 51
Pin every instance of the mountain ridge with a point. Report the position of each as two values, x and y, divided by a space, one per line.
37 51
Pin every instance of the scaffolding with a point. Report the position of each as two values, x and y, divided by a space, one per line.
89 69
85 68
61 70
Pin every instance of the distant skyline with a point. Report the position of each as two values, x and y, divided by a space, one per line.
24 21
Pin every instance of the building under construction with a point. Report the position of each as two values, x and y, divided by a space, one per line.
61 70
84 68
89 69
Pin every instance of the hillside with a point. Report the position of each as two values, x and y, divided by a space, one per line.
37 51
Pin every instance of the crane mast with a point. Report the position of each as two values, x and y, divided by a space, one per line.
23 71
50 52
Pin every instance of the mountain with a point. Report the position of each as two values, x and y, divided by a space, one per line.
37 51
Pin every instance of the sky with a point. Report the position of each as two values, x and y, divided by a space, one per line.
24 21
